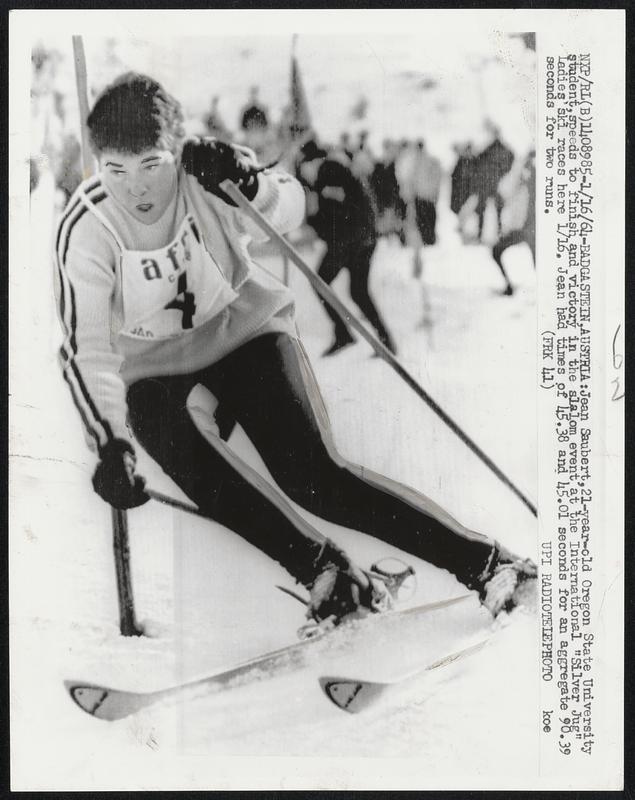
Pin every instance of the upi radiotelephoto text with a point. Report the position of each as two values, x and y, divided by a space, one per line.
566 203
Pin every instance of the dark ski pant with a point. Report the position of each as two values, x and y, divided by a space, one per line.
481 206
269 387
426 217
509 240
356 258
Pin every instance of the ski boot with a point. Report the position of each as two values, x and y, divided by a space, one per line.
506 582
342 590
342 339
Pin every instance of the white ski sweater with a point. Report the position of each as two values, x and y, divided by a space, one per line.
114 275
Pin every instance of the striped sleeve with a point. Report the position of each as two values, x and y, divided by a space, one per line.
85 283
280 199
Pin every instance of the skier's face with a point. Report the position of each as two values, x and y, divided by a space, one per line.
142 183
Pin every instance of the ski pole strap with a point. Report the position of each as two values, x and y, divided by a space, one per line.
325 291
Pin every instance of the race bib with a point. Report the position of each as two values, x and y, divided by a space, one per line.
169 291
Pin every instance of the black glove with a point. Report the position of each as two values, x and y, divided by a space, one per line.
115 480
211 162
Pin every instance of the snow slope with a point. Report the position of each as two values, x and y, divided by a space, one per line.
209 599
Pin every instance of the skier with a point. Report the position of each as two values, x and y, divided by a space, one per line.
158 295
346 221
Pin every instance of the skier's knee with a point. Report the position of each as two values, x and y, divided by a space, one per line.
313 487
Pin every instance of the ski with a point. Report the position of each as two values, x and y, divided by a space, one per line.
355 695
112 704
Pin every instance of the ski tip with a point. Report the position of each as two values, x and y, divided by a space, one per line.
350 695
88 697
341 691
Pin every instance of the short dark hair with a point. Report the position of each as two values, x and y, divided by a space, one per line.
133 114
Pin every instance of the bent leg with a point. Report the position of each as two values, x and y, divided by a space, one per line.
360 274
330 267
165 429
278 404
510 239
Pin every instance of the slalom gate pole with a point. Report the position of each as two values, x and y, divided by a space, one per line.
82 95
325 291
121 545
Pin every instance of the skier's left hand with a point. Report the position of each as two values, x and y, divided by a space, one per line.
211 162
115 479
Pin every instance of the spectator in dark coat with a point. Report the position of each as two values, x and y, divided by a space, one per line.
385 187
494 162
215 124
345 221
463 184
254 114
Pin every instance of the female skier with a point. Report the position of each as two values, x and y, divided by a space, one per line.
157 295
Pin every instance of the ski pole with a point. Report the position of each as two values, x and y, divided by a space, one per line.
171 501
119 518
325 291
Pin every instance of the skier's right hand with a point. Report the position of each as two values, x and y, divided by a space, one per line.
115 479
341 588
211 162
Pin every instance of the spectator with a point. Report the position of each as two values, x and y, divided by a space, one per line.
345 144
34 174
519 214
68 168
363 161
419 174
214 123
345 221
254 114
383 181
494 162
462 177
254 122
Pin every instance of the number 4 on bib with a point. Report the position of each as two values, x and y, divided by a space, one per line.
184 302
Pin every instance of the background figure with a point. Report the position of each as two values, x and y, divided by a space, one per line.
519 214
254 122
427 185
254 114
68 169
419 176
492 163
214 124
34 174
391 208
463 183
345 144
363 162
345 221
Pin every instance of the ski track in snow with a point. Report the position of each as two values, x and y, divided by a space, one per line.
209 598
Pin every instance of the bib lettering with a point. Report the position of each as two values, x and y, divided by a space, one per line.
171 290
